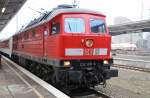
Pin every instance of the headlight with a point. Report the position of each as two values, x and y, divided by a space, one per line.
105 62
66 63
89 43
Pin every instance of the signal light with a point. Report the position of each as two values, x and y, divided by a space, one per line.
89 43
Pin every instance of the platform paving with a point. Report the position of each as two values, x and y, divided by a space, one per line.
12 86
129 84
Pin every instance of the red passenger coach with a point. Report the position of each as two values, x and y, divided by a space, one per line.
4 44
6 47
68 47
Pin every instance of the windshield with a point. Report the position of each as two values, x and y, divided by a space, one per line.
97 26
74 25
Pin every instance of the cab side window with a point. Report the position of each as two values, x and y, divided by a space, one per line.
55 28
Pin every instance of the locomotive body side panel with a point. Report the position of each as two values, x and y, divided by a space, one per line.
54 40
33 44
30 42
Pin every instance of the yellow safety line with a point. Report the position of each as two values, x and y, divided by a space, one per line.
36 92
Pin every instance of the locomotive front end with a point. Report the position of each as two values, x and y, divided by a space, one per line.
86 51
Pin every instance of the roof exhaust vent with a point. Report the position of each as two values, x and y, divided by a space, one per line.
65 6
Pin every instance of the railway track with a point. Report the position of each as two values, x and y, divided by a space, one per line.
133 64
88 93
132 67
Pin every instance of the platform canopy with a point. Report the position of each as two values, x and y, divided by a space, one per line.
8 8
136 27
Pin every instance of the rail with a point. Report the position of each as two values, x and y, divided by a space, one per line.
89 93
133 64
134 60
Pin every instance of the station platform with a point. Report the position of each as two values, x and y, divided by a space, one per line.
15 84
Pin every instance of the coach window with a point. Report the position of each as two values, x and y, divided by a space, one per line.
74 25
25 36
33 33
55 28
97 26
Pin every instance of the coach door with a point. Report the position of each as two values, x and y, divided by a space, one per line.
46 34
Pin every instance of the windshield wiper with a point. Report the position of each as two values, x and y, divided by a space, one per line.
69 26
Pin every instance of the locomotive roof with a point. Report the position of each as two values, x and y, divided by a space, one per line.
50 15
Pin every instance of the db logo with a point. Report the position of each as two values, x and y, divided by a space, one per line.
88 51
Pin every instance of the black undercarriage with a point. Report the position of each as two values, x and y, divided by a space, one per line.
80 73
86 73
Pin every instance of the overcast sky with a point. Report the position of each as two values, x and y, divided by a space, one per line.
131 9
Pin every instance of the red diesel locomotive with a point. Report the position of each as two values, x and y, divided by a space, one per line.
68 47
